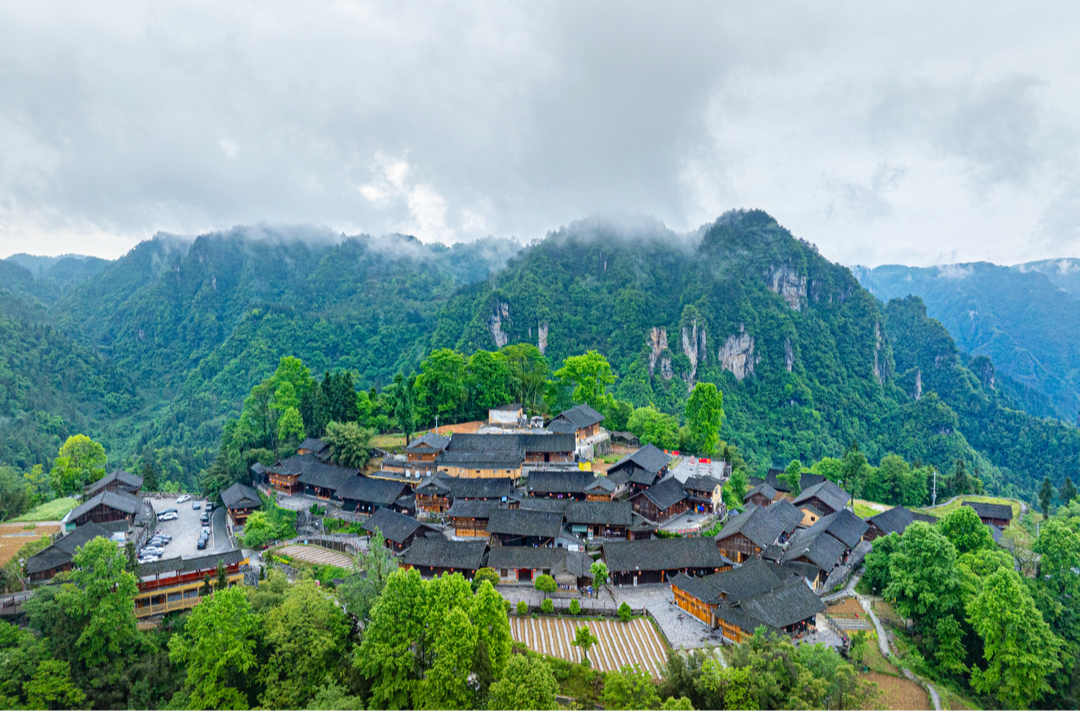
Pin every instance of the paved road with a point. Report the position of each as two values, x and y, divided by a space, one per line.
186 528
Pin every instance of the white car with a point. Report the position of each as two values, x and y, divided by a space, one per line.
167 517
184 498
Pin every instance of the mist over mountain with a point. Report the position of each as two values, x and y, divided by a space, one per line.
1025 318
808 360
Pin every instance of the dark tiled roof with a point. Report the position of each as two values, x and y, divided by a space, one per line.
562 427
433 486
130 480
608 513
326 476
518 522
786 515
1002 511
62 551
481 488
753 577
895 520
475 459
190 565
470 508
844 526
550 443
800 571
696 587
650 458
819 547
643 477
772 478
666 493
429 442
663 554
735 615
525 557
701 483
757 524
517 443
393 526
374 491
600 485
546 481
827 492
258 468
807 480
763 489
435 553
773 553
549 505
784 606
315 445
118 500
240 496
508 407
581 416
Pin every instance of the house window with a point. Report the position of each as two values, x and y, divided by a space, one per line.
503 573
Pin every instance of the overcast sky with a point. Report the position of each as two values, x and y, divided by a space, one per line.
917 133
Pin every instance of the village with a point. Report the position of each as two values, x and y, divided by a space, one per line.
530 501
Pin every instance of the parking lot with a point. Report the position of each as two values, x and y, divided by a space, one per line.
186 528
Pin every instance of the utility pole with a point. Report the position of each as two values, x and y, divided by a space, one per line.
933 499
436 425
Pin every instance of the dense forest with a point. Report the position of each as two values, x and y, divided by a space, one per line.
152 354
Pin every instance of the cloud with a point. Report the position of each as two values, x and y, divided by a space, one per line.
907 133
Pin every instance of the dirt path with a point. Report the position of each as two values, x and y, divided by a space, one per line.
883 646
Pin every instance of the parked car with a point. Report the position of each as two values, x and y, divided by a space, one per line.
183 499
165 511
202 544
167 517
205 520
195 505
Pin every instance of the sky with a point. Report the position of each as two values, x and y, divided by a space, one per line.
896 132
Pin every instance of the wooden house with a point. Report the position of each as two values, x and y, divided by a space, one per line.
895 520
640 469
523 564
772 478
433 495
518 527
57 558
398 530
469 517
366 495
477 464
820 500
661 501
104 507
316 447
540 449
582 421
704 494
322 481
599 519
422 454
999 515
749 533
433 557
240 501
176 584
815 546
117 481
659 559
761 495
559 484
600 488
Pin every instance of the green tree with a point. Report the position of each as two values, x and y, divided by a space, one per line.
680 704
1067 491
727 687
547 606
404 400
350 444
960 478
103 596
1020 650
584 640
218 648
306 635
522 608
855 470
529 373
494 641
290 427
829 467
575 606
590 375
877 562
1046 497
792 476
630 688
360 592
625 613
545 584
440 387
485 574
15 494
704 416
334 697
81 461
966 531
1058 547
923 578
39 484
51 687
150 474
527 683
385 655
654 427
599 572
454 649
258 530
487 377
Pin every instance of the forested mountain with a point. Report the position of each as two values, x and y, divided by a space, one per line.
807 360
1026 319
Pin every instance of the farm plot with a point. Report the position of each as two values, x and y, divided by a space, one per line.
633 642
318 555
14 536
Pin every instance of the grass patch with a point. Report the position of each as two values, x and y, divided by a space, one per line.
941 511
898 692
50 511
885 612
864 510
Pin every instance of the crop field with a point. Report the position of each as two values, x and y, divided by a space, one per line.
317 555
633 642
898 693
14 536
51 511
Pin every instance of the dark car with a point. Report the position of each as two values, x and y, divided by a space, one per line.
205 519
202 544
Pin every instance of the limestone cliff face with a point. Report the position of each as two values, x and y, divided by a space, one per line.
878 370
500 311
695 348
658 353
542 336
918 384
789 354
737 354
786 282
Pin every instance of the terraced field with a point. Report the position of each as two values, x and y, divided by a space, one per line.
318 555
633 642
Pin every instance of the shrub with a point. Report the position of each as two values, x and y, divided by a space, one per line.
545 584
575 607
547 606
625 613
522 608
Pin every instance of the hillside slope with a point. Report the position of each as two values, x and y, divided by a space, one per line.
1018 317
